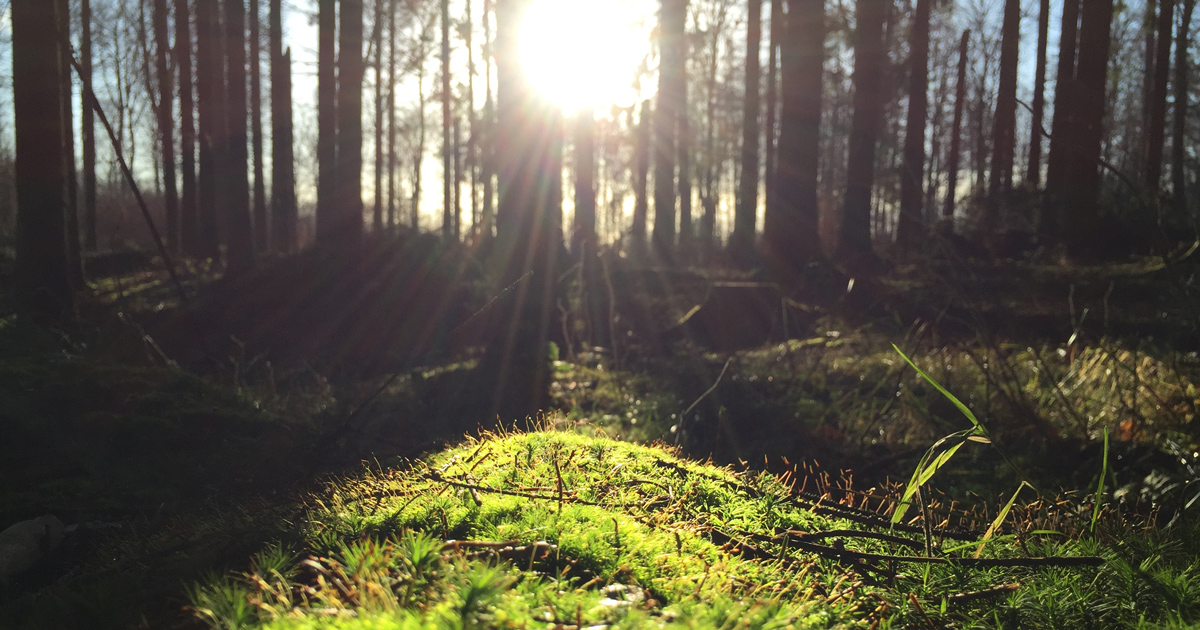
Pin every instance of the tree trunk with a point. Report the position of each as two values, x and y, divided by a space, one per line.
1004 125
447 163
472 157
74 251
283 175
261 234
776 34
1033 171
1158 100
488 128
419 157
42 276
210 107
911 229
377 35
88 118
791 237
188 224
327 119
854 243
349 126
1061 127
456 161
240 237
391 116
671 86
641 174
960 98
166 123
1178 182
747 202
1088 93
583 236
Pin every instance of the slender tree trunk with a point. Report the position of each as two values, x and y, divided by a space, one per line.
671 86
1061 127
1158 100
327 120
447 163
42 276
472 122
456 162
210 106
1033 171
1178 182
747 201
1149 27
88 120
910 230
391 116
1004 125
261 233
283 174
1080 195
415 217
641 174
854 243
770 181
166 123
377 214
583 236
188 225
349 125
960 99
683 157
74 251
240 239
489 125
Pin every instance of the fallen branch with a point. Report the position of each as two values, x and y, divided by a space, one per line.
963 598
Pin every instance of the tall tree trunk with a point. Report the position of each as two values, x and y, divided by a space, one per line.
349 125
456 162
671 87
189 228
747 201
1064 114
42 276
489 125
419 157
1178 183
1004 125
518 360
74 251
377 35
283 175
776 34
210 108
1033 171
327 120
854 243
391 116
960 99
641 174
583 235
1149 27
912 171
1158 100
88 123
261 234
1079 205
447 162
472 157
166 123
240 238
790 231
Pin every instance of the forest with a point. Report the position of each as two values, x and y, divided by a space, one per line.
599 314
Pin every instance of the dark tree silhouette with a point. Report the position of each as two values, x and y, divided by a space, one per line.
1178 183
391 117
166 123
240 237
1004 124
1033 172
283 175
747 200
671 94
641 173
448 221
349 229
790 227
583 235
1061 126
960 99
912 171
188 225
88 126
854 236
74 252
210 108
1158 100
327 120
377 45
261 233
487 129
42 277
776 33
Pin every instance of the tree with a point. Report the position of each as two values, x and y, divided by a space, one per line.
790 233
377 44
778 22
672 84
583 236
391 116
74 252
641 174
327 132
349 230
42 277
747 200
1158 100
854 236
283 176
261 234
188 224
912 171
1179 189
210 108
240 236
960 98
1061 126
88 126
448 230
1033 172
166 124
1005 121
487 128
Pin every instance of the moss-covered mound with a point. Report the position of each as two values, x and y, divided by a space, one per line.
558 530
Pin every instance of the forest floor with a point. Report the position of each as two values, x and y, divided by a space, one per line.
307 424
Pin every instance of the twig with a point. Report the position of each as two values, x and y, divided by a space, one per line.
683 416
434 476
913 598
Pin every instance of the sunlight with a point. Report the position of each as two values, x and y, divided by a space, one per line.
584 52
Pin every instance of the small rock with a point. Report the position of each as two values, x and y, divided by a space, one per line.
24 544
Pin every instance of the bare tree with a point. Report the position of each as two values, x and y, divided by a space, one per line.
88 124
261 234
188 224
327 120
349 125
1005 121
910 228
1158 100
747 201
1033 171
1178 182
166 124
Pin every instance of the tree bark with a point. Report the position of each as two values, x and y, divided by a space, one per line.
166 123
1088 93
213 136
240 237
261 234
1158 100
391 116
88 124
671 86
419 157
447 162
377 36
1178 182
189 228
1004 125
42 276
349 231
1061 127
488 128
747 202
328 206
854 243
776 34
283 175
1033 171
960 99
583 236
641 174
74 251
910 230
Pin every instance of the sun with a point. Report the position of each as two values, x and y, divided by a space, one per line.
584 53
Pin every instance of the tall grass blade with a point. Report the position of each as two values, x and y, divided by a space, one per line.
1100 484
